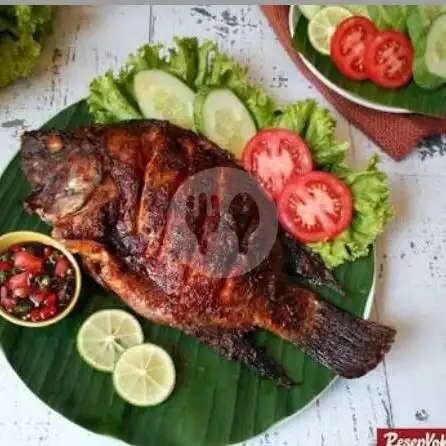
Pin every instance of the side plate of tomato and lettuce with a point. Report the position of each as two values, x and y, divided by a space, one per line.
389 55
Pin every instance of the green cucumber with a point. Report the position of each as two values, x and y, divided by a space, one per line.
436 47
161 95
222 118
421 75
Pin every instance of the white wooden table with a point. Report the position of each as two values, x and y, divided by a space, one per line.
409 389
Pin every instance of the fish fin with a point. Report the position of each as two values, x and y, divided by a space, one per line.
307 264
238 346
344 342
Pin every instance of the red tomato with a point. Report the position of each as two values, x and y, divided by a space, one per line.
62 266
15 248
18 281
272 156
37 296
388 59
25 260
47 252
8 303
50 299
42 314
5 266
348 46
315 207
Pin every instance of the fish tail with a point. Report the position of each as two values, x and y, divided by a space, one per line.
348 345
343 342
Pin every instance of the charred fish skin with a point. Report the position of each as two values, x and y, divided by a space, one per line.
122 226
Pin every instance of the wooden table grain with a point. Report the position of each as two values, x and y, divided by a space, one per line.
409 388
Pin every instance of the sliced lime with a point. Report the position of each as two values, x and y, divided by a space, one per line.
105 335
144 375
310 10
323 25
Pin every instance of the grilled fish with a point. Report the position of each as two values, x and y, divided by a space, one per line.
107 191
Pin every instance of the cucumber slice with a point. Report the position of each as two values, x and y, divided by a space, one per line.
436 47
224 119
309 11
421 74
160 95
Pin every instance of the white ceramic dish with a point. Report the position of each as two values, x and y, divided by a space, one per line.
344 93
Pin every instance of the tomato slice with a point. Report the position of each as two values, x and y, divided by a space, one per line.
20 280
315 207
4 266
62 267
388 59
273 155
348 46
28 262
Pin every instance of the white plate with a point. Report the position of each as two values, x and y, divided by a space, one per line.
292 17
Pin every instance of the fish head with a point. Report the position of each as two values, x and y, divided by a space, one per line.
63 169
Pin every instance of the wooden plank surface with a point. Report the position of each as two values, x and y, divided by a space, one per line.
409 389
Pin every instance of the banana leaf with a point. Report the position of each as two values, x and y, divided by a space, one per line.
215 403
410 97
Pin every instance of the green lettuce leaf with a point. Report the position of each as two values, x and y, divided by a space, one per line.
317 126
108 101
23 29
388 16
372 210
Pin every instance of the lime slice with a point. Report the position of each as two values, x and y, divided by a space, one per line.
144 375
323 25
105 335
310 10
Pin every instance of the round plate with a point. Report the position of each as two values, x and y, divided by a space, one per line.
216 402
344 93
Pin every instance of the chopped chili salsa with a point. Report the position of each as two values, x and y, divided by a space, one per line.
37 282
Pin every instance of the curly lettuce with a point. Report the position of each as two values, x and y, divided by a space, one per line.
202 67
23 29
